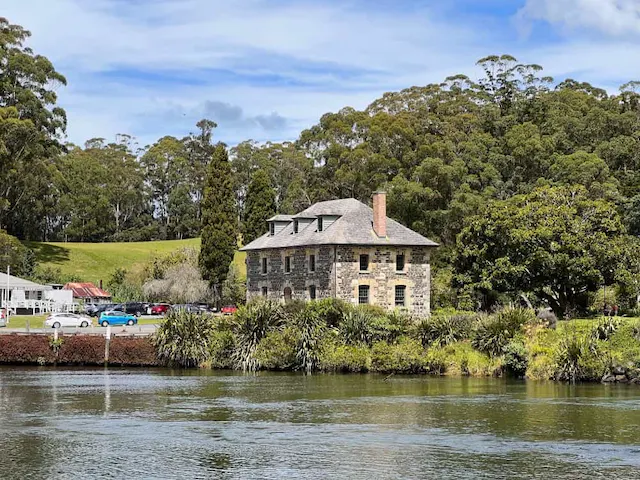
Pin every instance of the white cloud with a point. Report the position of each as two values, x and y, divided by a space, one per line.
611 17
264 69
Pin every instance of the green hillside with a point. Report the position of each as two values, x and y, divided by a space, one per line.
93 262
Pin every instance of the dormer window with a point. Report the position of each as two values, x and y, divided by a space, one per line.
319 224
272 229
295 226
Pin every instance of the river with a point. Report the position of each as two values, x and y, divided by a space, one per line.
110 423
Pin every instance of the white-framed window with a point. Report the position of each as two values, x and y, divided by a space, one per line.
295 226
272 229
319 224
363 294
401 295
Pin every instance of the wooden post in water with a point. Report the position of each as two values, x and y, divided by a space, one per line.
107 341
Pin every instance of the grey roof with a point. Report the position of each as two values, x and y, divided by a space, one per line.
280 218
17 283
353 227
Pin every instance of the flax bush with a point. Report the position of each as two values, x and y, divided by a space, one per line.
251 324
184 339
493 333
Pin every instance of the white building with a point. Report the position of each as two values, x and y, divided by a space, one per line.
20 294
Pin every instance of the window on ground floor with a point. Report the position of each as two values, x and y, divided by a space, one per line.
363 294
401 293
265 291
312 292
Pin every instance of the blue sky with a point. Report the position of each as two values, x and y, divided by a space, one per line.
266 69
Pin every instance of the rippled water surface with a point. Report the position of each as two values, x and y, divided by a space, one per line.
79 423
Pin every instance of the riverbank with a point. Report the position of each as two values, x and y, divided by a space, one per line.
329 336
77 349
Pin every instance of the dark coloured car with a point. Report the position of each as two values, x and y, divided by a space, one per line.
134 308
101 307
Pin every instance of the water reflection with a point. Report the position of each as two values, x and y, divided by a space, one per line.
173 424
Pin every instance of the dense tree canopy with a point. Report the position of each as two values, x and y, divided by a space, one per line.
261 205
555 242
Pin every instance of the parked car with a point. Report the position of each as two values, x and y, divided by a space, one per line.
3 317
188 307
116 317
90 308
135 308
101 307
57 320
160 309
229 309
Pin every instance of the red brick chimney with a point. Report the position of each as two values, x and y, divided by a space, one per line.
380 213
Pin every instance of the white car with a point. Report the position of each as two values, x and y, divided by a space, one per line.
57 320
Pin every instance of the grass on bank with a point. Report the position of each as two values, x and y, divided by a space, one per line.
93 262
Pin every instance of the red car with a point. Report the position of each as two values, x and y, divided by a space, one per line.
229 309
160 309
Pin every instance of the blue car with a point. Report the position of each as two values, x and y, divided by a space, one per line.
114 317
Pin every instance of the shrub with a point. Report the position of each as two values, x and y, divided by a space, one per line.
276 351
183 339
252 323
132 351
391 327
493 333
404 357
570 356
356 327
335 357
443 330
515 358
331 310
221 348
311 328
294 307
25 349
605 328
436 361
82 349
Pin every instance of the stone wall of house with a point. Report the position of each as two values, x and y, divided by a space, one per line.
382 277
298 281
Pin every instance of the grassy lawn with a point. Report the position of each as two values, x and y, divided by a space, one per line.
93 262
37 321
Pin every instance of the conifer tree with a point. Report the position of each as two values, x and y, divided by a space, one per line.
219 224
261 205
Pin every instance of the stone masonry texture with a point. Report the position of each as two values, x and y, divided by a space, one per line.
337 274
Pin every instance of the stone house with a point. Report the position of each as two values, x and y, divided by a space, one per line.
342 249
